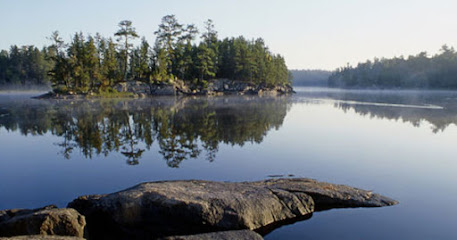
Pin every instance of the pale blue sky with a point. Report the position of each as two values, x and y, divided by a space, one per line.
309 34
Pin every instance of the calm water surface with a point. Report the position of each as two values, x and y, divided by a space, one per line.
402 144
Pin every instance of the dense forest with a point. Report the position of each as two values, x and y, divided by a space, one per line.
420 71
95 63
24 66
310 77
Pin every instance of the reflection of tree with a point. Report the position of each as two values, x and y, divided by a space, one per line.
440 119
182 129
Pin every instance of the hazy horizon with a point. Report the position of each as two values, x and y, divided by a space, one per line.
310 35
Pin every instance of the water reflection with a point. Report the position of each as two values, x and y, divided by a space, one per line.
439 108
181 128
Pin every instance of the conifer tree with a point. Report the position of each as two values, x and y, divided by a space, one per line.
126 32
168 34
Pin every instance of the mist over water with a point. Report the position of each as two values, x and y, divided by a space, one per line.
397 143
19 89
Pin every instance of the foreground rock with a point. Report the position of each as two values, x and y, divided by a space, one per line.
43 221
223 235
41 237
185 207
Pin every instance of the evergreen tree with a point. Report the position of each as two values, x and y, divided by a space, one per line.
168 34
184 60
204 64
160 65
95 64
142 65
92 64
110 65
126 32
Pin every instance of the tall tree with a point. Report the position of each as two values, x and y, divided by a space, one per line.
125 33
183 53
110 65
168 34
210 35
92 64
142 64
204 63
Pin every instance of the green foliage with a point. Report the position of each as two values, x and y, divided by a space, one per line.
126 32
251 61
26 65
420 71
204 62
94 64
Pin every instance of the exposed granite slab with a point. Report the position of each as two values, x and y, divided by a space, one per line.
185 207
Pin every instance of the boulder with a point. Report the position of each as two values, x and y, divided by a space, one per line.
133 87
223 235
194 206
44 221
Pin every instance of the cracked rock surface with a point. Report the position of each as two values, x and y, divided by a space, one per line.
185 207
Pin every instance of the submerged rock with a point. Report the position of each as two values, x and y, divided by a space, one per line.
45 221
223 235
186 207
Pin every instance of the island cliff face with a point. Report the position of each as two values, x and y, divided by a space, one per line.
215 87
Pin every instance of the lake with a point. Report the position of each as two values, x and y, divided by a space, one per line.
402 144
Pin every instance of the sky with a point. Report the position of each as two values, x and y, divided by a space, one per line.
310 34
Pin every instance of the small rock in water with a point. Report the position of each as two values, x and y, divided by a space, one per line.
275 176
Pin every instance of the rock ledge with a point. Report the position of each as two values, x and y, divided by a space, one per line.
167 208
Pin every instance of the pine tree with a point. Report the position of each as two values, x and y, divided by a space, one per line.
126 32
168 35
110 65
204 63
92 64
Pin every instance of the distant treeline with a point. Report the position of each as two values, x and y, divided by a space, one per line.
24 66
310 77
96 64
421 71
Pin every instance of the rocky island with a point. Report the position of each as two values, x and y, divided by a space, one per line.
177 64
212 210
216 87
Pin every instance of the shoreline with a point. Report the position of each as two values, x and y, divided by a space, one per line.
138 89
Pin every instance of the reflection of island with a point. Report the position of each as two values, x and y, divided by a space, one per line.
439 108
181 129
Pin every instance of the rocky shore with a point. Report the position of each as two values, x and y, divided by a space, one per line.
215 87
181 209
